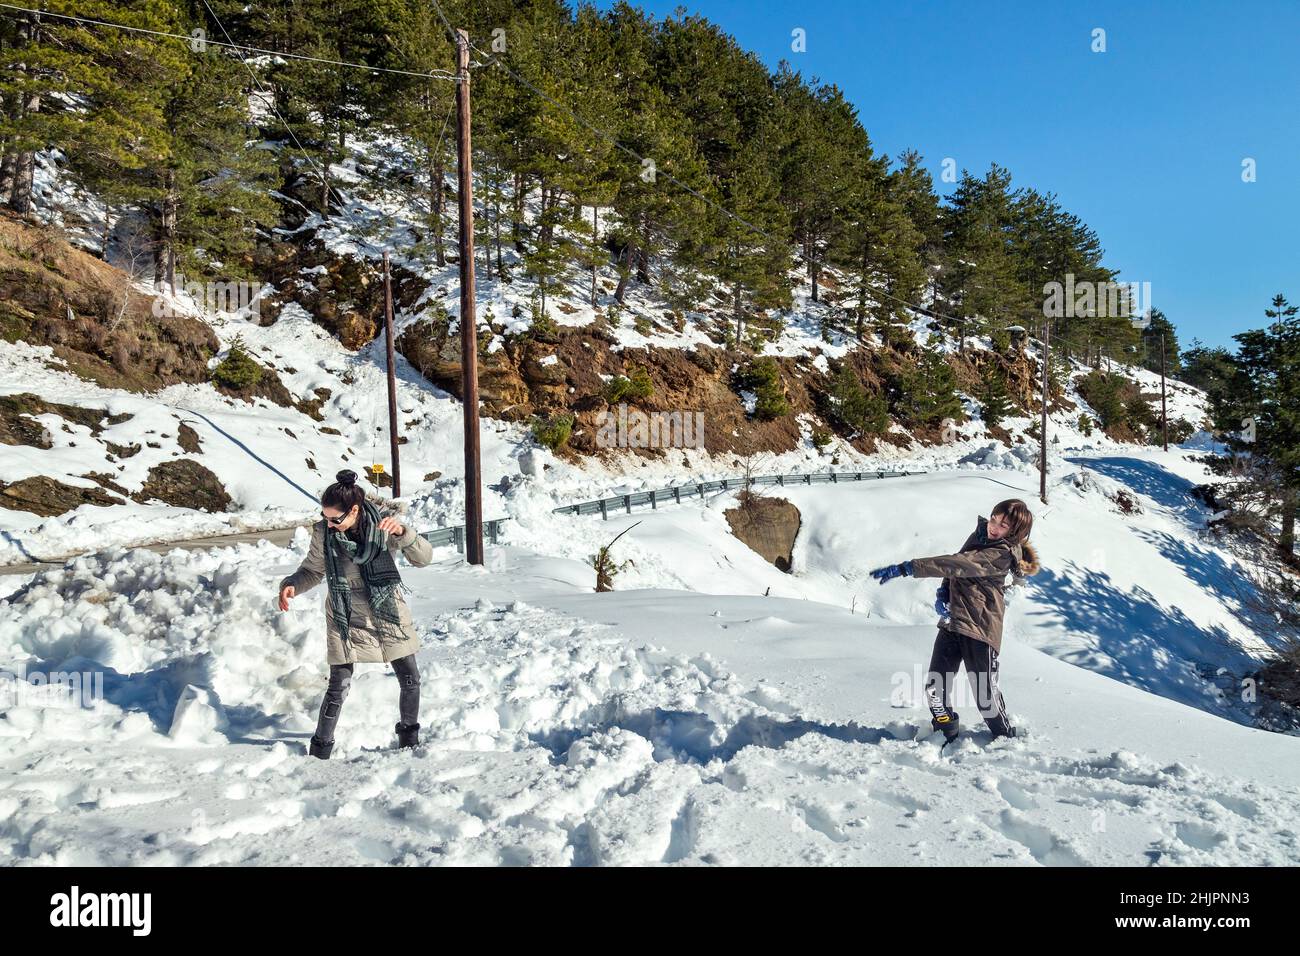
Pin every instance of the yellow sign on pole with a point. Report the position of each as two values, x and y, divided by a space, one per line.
377 469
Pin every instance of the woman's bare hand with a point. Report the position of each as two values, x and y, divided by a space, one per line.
285 594
392 526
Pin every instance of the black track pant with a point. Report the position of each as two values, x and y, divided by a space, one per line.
951 651
408 703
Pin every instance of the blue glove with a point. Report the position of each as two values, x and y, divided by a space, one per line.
941 602
891 571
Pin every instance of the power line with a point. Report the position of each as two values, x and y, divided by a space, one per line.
230 45
451 33
270 102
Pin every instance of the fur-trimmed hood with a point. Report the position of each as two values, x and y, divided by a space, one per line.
1029 559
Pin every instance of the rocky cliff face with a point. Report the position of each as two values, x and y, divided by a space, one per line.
566 371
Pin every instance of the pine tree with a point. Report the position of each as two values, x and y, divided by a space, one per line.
1213 371
853 406
1160 327
928 391
653 217
914 188
995 401
763 378
754 267
823 138
211 188
421 110
879 246
323 105
981 278
1269 399
92 93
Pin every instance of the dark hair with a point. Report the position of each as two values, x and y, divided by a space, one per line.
1019 518
344 493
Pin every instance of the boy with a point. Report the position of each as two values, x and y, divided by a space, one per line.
971 606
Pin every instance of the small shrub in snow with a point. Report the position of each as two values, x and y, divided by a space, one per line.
606 567
763 378
1179 431
542 327
237 370
898 337
638 385
928 391
553 431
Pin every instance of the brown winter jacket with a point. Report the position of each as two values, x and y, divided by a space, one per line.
976 577
366 644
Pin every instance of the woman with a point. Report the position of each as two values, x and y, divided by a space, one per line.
367 619
971 606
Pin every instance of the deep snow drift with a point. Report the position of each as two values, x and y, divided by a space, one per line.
686 718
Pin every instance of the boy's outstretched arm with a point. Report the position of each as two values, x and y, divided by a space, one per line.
983 563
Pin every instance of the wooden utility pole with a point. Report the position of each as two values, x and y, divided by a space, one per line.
1042 450
1164 412
392 381
468 315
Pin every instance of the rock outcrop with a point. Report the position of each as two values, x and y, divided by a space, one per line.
769 526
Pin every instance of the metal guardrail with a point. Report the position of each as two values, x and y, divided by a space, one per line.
441 537
455 535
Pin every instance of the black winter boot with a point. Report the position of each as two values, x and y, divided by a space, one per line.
407 736
318 749
949 725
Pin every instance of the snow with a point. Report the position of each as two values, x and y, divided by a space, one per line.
711 710
685 718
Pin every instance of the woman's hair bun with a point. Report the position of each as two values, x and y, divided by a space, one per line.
346 477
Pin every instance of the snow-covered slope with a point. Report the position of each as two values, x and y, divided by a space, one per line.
686 718
274 460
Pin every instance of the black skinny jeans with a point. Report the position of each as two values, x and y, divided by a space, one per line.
408 703
951 651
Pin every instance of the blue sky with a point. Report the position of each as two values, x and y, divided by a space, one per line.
1145 141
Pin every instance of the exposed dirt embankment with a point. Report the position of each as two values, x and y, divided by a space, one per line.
52 293
567 371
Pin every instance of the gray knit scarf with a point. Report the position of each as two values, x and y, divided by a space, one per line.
378 572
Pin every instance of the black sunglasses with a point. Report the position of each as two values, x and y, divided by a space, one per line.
338 520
